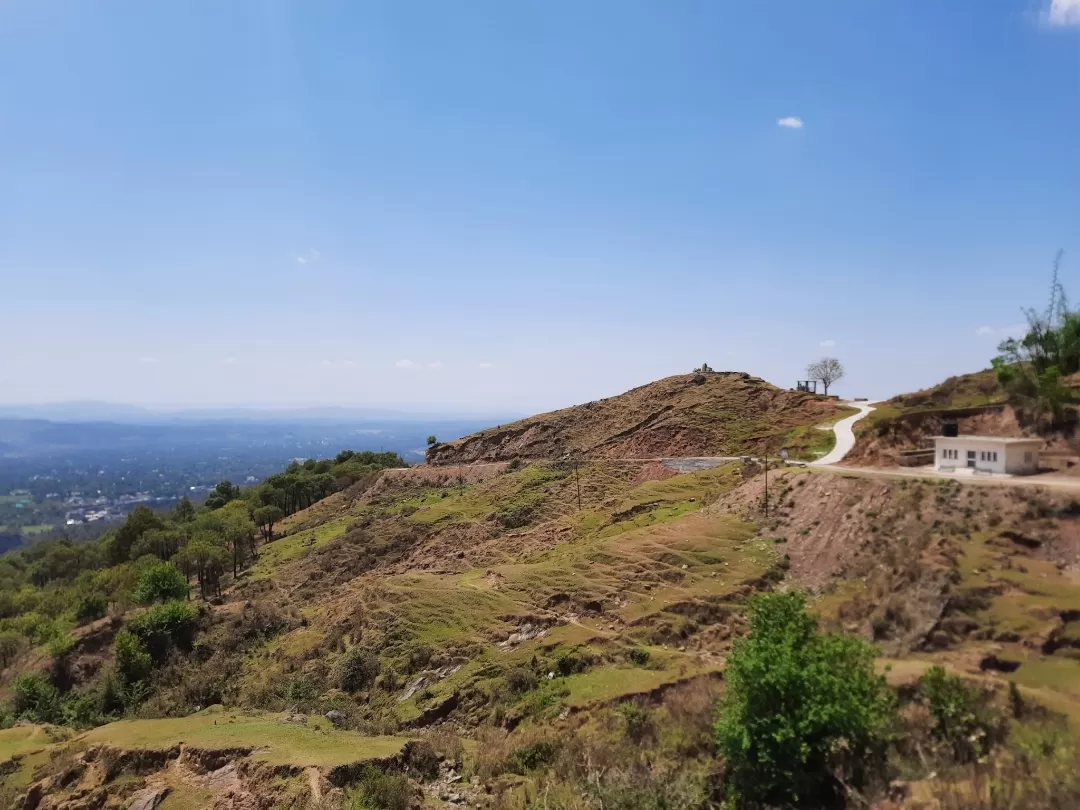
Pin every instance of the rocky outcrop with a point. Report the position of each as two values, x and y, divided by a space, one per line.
149 799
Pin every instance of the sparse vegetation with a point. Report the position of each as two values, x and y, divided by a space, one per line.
962 720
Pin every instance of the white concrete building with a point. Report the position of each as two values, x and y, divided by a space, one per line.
990 454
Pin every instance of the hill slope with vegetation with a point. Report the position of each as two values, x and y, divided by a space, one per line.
716 413
565 635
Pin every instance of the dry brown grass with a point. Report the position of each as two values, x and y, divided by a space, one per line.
722 413
1039 770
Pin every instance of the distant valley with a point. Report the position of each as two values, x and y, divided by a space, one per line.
75 474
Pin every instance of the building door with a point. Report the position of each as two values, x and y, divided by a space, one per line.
971 458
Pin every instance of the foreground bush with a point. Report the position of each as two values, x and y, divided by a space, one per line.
962 720
803 714
377 789
35 699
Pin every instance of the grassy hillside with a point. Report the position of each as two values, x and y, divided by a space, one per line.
523 633
711 414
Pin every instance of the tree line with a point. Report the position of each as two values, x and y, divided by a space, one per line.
1031 368
203 543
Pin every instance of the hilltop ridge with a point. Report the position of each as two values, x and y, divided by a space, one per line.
703 414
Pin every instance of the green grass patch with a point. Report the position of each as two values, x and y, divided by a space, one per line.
285 549
22 740
609 683
1057 674
313 745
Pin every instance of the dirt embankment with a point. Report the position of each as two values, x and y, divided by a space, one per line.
718 413
879 438
887 555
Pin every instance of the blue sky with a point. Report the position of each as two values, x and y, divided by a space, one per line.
523 205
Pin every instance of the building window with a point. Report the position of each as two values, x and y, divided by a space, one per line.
1027 458
994 454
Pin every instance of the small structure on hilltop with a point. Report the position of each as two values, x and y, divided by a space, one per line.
988 454
809 386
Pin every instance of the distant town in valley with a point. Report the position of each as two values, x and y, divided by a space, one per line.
78 478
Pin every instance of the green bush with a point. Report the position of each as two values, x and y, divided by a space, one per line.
380 790
133 660
35 699
801 710
520 679
91 608
533 757
299 690
115 696
59 649
639 656
962 721
81 710
567 663
357 669
164 626
11 644
161 583
637 721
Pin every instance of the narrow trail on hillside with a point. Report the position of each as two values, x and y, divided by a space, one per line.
845 435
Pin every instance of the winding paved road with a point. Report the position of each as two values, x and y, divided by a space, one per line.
845 442
845 436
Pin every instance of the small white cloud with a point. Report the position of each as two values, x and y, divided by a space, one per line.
326 363
983 331
1064 12
301 260
435 364
790 122
348 363
828 344
148 361
232 361
404 364
311 256
485 365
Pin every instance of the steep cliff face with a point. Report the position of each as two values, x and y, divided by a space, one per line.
717 413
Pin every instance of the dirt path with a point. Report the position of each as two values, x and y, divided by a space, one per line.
845 435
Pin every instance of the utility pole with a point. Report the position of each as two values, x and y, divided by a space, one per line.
766 482
577 481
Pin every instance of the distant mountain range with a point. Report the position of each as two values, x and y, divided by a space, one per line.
93 411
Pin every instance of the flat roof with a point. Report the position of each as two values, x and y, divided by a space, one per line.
995 439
